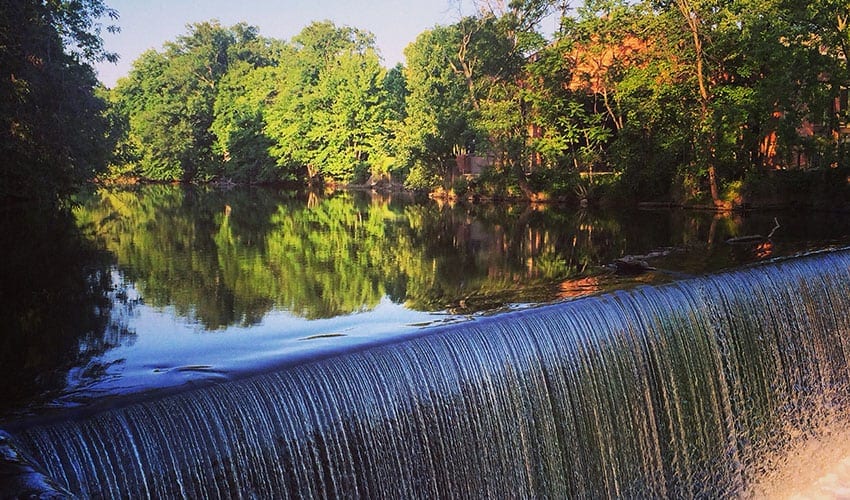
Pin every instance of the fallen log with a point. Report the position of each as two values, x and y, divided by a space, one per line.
754 238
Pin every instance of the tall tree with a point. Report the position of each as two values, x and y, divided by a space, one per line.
696 16
242 99
330 107
439 112
170 96
52 132
349 120
759 76
465 85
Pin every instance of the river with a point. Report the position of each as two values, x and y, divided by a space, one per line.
161 288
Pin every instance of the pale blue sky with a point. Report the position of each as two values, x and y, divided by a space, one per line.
147 24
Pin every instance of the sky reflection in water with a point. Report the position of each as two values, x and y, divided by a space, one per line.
177 286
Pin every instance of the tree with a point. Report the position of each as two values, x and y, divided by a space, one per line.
170 96
466 96
390 159
243 96
615 94
490 60
694 13
395 86
349 120
439 113
758 72
821 31
52 132
697 92
328 116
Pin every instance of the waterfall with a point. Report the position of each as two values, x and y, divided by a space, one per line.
696 387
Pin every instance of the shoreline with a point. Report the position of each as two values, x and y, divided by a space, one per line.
441 195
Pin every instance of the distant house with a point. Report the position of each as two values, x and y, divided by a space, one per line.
808 130
472 165
593 62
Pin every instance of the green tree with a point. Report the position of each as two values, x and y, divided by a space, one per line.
170 97
329 116
819 32
491 61
757 72
439 114
52 130
239 126
389 161
465 83
696 93
395 86
349 121
623 103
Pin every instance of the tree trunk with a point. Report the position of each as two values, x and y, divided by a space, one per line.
522 181
693 20
712 184
466 69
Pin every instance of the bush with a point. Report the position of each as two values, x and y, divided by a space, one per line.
460 186
555 182
421 178
647 169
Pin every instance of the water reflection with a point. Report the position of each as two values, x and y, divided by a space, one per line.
225 258
112 302
60 307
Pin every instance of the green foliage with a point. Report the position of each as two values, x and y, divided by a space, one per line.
711 82
559 183
395 86
422 177
825 189
244 93
329 115
169 99
439 114
350 118
226 103
53 133
464 94
680 97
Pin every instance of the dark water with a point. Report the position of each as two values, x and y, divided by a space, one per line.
168 287
703 388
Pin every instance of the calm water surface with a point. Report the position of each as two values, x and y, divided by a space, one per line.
163 287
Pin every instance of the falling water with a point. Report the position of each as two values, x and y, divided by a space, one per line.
702 386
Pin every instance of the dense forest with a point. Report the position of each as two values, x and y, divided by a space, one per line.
53 129
692 100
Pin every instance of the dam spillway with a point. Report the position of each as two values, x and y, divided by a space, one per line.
699 387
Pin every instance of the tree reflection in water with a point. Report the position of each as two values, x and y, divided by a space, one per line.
229 257
206 259
58 305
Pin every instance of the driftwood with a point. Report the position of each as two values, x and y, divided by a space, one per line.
631 265
637 264
754 238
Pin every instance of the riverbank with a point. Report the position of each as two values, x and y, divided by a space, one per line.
821 190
